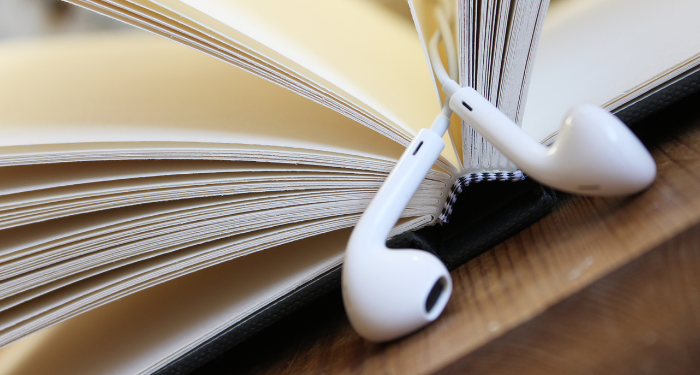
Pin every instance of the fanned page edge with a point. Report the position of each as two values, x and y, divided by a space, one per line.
519 48
447 161
206 329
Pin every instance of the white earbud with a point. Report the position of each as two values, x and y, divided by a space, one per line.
389 293
594 154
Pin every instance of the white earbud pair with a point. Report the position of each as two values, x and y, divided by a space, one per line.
389 293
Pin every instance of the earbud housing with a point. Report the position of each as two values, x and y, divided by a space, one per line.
594 154
389 293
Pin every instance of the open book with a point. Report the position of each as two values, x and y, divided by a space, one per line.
130 163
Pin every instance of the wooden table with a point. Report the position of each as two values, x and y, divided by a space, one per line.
600 286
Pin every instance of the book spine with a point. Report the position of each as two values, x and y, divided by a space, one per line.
470 178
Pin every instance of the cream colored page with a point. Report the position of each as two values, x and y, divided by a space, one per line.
170 264
264 60
594 51
162 183
24 178
363 48
105 288
69 230
139 88
92 285
131 334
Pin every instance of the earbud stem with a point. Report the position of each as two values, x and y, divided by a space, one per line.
402 183
389 293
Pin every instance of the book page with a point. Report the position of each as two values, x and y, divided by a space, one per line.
95 197
98 290
120 223
178 21
364 49
142 332
134 333
140 88
30 247
607 52
141 272
23 178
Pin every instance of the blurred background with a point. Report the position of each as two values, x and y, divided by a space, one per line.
32 18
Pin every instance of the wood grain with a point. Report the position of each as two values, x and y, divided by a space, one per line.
567 264
643 318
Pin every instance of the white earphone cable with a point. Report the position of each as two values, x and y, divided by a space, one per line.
448 41
443 32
